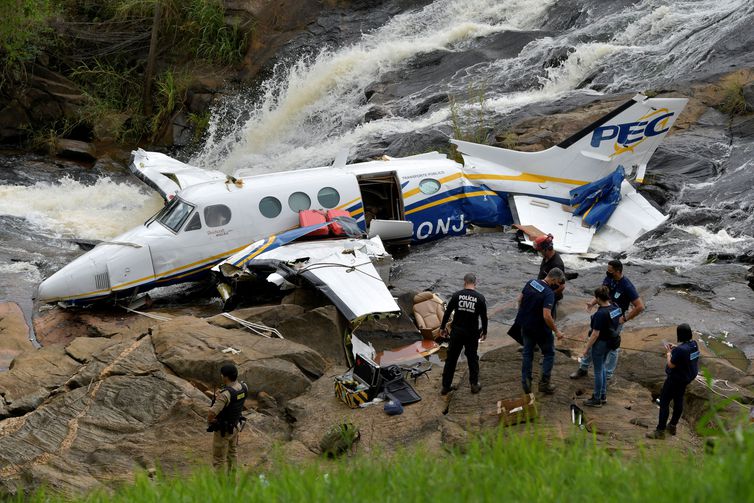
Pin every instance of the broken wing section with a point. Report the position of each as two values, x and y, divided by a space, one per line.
632 217
550 217
167 175
341 269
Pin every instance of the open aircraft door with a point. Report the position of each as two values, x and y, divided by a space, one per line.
129 266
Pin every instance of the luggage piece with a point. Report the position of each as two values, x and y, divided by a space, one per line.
368 372
337 229
402 391
395 384
350 391
312 217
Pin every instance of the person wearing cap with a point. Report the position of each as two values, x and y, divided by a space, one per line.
225 417
537 326
681 367
470 308
550 260
624 294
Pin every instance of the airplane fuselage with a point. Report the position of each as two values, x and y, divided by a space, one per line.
208 222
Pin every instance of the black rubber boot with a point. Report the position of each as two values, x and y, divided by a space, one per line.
545 386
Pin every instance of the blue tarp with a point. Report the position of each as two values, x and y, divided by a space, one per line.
597 200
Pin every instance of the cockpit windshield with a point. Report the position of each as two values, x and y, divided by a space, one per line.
174 214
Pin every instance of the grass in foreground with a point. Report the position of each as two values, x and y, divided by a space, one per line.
494 468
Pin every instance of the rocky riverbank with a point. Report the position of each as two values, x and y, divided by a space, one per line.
112 393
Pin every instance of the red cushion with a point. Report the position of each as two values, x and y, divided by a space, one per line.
312 217
336 229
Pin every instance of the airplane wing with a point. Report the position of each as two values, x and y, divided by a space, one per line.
632 217
167 175
342 269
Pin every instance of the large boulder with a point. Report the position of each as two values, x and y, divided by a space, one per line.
101 434
61 326
14 333
33 375
194 350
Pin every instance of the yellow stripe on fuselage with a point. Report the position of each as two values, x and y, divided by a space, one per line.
349 203
450 198
260 250
525 177
446 179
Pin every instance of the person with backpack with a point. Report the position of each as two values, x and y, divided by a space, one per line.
225 418
682 367
603 338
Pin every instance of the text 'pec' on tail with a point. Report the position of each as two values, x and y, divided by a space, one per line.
627 136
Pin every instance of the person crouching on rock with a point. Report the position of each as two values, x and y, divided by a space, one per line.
537 325
225 418
682 367
603 338
470 306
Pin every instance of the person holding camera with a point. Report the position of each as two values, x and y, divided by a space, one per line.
682 367
225 418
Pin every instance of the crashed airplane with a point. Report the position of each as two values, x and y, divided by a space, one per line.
264 226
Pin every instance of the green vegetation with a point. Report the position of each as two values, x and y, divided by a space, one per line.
498 467
24 32
103 45
733 102
469 121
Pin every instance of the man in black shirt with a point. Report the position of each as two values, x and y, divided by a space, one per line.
537 326
469 307
550 260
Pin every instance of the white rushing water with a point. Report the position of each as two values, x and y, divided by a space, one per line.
71 209
312 108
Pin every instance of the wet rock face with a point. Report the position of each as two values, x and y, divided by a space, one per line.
88 412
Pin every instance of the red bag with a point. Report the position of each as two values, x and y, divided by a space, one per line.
336 229
312 217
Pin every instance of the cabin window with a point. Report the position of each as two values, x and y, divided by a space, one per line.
328 197
270 207
299 201
216 215
429 186
194 224
176 214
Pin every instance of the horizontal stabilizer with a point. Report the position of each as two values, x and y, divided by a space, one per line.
167 175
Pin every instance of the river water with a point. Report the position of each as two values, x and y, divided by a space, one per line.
388 79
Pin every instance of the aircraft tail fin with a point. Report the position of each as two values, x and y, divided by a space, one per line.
626 136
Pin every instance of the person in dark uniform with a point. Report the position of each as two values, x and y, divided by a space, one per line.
624 294
225 418
470 307
603 337
682 367
550 260
537 326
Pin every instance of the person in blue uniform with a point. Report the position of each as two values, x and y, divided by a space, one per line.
624 294
470 309
682 367
534 316
603 337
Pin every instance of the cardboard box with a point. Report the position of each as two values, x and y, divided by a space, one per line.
517 410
